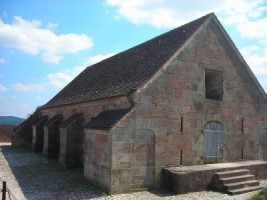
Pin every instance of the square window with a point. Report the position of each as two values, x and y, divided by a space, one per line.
213 85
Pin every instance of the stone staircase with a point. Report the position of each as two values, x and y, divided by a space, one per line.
235 182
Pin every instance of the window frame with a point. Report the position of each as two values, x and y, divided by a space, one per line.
218 84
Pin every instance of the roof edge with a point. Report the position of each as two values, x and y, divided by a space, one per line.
126 111
241 58
166 64
68 104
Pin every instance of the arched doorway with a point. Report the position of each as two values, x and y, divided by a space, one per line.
213 142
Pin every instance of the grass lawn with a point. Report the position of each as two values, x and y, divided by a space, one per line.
262 195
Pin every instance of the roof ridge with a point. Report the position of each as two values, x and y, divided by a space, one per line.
205 16
126 71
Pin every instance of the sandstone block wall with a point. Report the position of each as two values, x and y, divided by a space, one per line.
71 144
97 158
174 109
165 127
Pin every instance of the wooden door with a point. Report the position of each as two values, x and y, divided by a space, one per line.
213 142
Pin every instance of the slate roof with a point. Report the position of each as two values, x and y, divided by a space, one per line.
107 119
127 71
32 120
41 120
54 119
68 121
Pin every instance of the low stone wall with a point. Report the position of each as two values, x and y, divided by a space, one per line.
199 178
6 132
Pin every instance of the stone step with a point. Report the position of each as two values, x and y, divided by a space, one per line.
236 179
232 173
244 190
243 184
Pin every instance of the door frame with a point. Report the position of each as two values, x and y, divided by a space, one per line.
213 144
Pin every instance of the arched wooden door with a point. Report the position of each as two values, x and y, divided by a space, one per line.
213 142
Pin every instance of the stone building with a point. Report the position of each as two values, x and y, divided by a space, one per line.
186 97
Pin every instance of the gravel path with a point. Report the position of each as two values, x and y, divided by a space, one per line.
30 176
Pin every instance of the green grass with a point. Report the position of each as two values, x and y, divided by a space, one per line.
261 195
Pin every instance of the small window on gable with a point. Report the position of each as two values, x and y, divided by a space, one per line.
213 85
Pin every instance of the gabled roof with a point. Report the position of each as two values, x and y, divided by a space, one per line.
107 119
127 71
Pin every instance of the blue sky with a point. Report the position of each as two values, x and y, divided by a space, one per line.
45 44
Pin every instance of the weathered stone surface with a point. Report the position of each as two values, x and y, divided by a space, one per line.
71 144
38 135
52 137
189 179
168 114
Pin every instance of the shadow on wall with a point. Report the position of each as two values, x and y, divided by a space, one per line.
40 178
263 144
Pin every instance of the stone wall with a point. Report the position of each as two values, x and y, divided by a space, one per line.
173 107
6 132
88 109
133 159
51 144
263 144
178 95
71 142
165 127
96 155
38 135
97 158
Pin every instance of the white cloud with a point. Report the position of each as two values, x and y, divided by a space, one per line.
244 16
13 97
163 13
29 37
95 59
242 7
246 51
233 19
51 25
253 29
3 88
170 14
59 79
25 106
2 61
51 58
38 97
20 87
247 17
256 57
